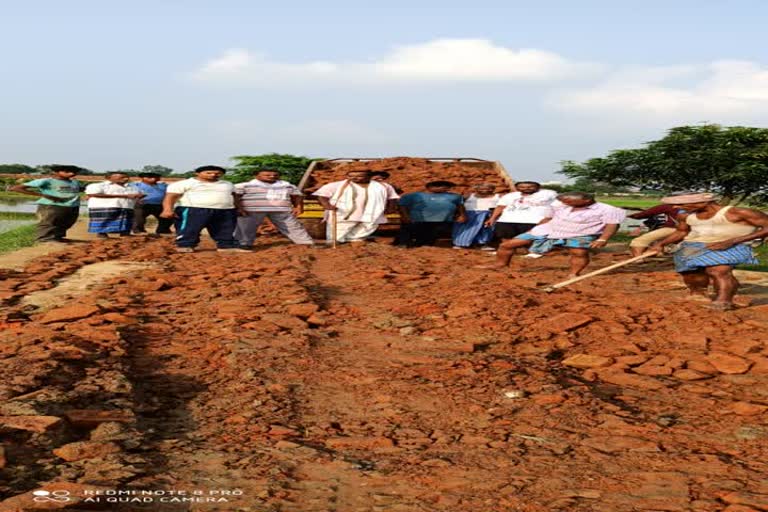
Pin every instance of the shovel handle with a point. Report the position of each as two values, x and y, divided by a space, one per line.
603 270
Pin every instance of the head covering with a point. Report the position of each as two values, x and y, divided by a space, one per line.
702 197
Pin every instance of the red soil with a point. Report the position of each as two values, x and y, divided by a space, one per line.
411 174
374 378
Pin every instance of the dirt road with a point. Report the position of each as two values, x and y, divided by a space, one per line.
376 379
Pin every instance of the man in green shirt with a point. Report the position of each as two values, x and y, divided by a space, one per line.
59 203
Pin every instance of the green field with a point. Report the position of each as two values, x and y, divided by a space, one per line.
18 238
629 202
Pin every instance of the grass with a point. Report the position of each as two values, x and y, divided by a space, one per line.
18 238
4 194
17 215
629 202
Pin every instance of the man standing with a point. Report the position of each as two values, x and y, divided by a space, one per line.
578 223
359 204
151 204
425 214
205 202
713 240
110 205
519 211
267 196
59 203
661 220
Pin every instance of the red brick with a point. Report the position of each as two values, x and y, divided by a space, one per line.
69 313
85 450
38 424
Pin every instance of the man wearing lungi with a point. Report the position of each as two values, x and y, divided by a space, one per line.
713 240
110 205
359 203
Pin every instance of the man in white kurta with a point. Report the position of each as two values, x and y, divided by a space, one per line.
359 204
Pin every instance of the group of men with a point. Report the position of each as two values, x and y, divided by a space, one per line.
712 238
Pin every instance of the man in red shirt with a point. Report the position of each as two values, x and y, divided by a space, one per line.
662 222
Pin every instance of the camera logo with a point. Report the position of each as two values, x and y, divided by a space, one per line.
55 496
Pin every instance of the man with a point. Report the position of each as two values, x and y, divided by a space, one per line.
479 205
110 205
204 202
713 240
578 223
59 203
151 204
359 204
383 177
425 214
519 211
661 220
267 196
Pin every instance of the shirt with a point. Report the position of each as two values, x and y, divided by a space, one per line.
527 209
429 207
481 204
259 196
154 194
69 189
569 222
330 189
107 187
216 195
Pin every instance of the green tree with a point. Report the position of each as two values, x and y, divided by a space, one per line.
17 169
159 169
731 161
291 167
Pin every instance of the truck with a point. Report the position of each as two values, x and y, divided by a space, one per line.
407 174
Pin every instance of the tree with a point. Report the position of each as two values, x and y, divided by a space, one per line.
18 169
159 169
731 161
291 167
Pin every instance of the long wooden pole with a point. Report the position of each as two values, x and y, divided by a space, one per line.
603 270
334 229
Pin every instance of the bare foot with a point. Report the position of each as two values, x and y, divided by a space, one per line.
722 306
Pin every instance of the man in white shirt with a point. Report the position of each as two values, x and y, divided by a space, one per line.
204 202
267 196
110 205
359 203
518 212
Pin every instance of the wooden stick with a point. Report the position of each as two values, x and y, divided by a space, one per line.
334 229
603 270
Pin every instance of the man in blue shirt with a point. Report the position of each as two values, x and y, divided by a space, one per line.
424 215
59 203
151 204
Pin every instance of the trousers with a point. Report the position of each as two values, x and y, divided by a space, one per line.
220 224
285 222
54 221
142 211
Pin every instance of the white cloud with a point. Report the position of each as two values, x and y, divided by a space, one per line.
724 89
448 60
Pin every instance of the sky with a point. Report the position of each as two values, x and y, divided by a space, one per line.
182 83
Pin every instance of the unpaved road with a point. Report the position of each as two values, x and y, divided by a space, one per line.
378 379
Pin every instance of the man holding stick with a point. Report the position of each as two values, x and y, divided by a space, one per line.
578 223
713 240
358 204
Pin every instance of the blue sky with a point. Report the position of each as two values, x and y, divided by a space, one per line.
183 83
